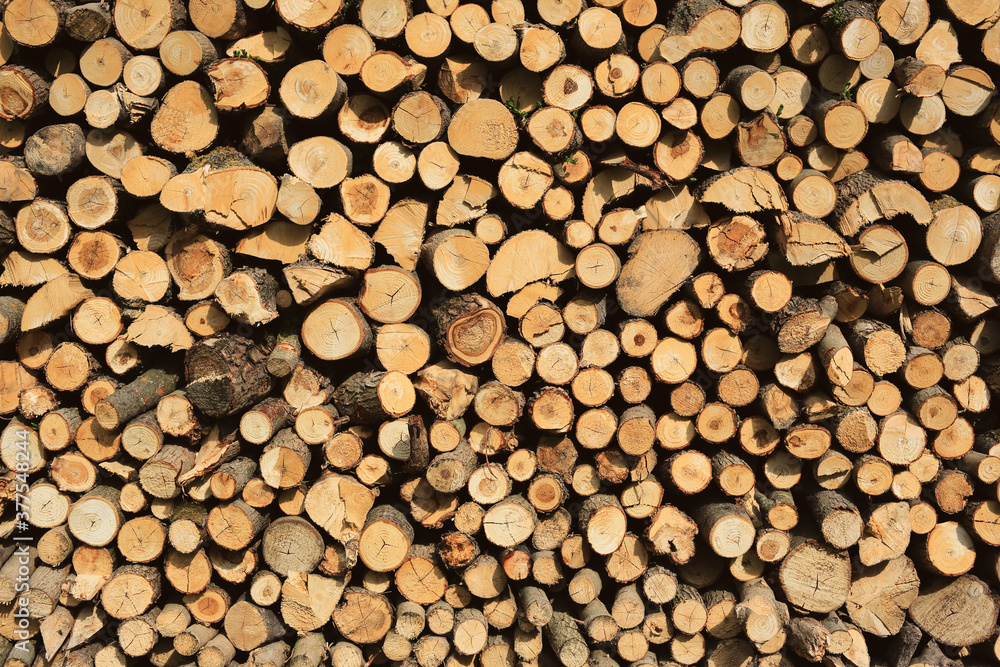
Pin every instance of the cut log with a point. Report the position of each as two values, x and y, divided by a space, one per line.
225 374
707 26
227 188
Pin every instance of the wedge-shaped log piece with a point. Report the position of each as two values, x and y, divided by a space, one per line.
606 187
659 263
16 182
339 505
865 198
308 600
229 189
880 596
160 326
673 209
27 269
807 241
526 258
249 296
465 200
401 231
310 280
744 190
704 25
278 240
340 243
55 299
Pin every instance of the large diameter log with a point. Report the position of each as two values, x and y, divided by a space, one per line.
363 617
707 26
880 596
483 128
659 263
226 187
470 329
815 577
248 626
336 329
225 374
143 27
932 611
865 198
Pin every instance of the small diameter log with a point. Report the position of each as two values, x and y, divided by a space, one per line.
729 532
385 539
194 639
135 398
235 525
95 519
732 474
839 520
836 357
566 641
259 424
217 652
285 460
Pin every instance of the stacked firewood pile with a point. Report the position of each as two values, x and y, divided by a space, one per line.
517 333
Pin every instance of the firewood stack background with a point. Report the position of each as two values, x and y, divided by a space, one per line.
541 333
